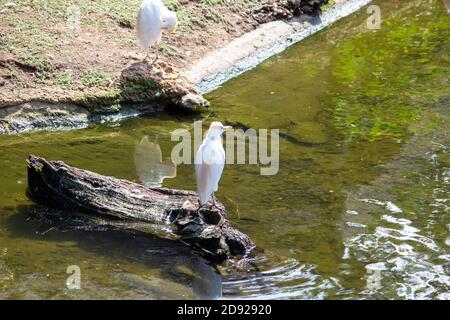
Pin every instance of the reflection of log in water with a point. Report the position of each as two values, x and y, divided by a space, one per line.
166 213
170 270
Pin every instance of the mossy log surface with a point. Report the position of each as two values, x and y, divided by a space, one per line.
162 212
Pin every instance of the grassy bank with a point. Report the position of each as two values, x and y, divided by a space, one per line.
63 46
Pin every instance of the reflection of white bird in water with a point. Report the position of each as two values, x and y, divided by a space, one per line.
153 18
149 165
209 163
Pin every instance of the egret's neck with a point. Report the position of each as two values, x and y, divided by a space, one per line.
214 137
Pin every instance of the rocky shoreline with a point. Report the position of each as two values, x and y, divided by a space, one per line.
143 87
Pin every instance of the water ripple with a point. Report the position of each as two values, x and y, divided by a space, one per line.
404 269
289 280
404 235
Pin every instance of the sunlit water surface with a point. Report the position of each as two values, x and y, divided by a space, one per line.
360 205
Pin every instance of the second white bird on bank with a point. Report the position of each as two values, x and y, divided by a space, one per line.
153 18
209 163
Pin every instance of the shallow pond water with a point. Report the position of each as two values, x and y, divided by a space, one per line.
359 207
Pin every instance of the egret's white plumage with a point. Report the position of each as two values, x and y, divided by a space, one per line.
153 18
209 162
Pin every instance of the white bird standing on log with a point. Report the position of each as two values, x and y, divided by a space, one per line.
209 163
153 18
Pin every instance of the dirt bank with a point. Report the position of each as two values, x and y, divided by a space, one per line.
58 50
75 52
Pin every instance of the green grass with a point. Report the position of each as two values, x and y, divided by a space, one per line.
65 79
20 83
31 29
171 51
32 35
94 78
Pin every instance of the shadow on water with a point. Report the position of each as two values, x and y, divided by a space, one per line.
181 271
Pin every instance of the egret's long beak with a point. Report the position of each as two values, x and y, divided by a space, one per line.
227 128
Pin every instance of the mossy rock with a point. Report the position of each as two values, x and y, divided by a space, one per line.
141 91
100 102
159 85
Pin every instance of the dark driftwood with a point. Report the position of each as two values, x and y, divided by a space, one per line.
163 212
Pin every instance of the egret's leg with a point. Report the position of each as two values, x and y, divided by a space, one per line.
157 53
214 200
147 54
199 206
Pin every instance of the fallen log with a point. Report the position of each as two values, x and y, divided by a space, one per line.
163 212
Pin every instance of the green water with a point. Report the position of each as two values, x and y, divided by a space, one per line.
358 209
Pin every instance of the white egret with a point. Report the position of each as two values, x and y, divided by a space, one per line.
153 18
209 163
